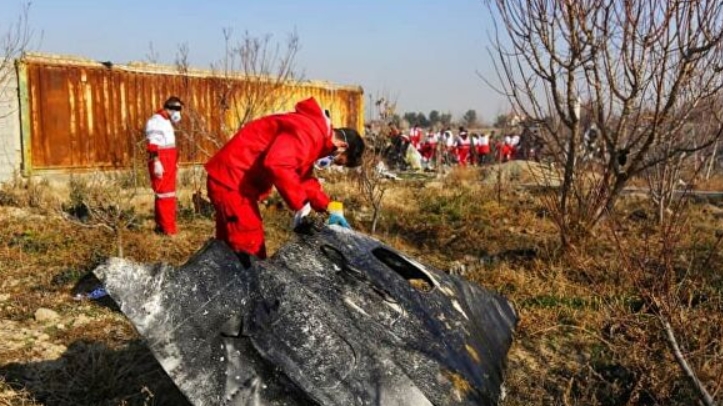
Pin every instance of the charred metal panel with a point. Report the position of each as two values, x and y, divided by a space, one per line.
83 114
332 318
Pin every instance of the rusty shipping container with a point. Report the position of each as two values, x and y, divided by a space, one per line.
79 114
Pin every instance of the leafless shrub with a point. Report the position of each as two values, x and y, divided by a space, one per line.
372 184
679 306
100 200
26 192
372 176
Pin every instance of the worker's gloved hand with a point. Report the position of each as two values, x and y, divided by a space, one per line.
300 215
336 215
157 168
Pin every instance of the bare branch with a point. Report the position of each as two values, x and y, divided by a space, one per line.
13 42
683 362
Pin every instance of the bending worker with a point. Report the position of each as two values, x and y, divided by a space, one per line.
277 150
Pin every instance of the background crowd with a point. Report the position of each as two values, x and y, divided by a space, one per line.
427 148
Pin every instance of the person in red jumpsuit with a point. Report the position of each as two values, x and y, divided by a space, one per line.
483 148
415 137
462 148
277 150
162 163
429 147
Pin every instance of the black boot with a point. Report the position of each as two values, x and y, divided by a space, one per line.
244 258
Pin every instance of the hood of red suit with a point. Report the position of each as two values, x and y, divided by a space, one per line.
311 108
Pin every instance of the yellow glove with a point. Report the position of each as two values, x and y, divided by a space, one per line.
336 214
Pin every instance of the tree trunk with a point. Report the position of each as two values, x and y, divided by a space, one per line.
119 241
712 160
568 178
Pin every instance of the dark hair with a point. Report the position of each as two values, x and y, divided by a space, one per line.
355 145
173 101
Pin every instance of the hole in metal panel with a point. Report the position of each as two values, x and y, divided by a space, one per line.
407 270
347 270
334 255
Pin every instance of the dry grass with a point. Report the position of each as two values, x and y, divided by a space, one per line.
584 336
22 192
714 183
11 395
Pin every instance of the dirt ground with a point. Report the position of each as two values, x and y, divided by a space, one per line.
582 337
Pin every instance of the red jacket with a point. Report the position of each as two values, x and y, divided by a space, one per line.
277 150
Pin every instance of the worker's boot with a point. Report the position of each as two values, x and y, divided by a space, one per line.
244 258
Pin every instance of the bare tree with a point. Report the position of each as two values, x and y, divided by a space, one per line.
636 69
373 174
372 184
251 76
152 56
663 181
14 39
671 178
194 127
254 71
250 79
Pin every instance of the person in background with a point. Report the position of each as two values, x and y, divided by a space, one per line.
515 146
507 149
462 147
163 163
448 142
415 137
278 151
483 149
474 143
429 147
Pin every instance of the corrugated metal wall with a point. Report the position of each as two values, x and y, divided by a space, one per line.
9 123
85 115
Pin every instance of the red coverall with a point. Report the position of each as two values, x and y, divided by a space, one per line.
507 151
429 147
462 149
415 137
162 142
277 150
483 149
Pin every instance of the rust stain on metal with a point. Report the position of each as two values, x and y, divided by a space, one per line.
85 115
461 385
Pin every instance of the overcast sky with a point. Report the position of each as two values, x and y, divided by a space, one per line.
426 53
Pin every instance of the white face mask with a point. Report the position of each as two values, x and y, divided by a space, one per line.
325 162
175 117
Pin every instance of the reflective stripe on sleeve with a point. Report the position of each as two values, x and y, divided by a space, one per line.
165 195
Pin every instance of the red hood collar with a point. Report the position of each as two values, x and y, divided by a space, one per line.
310 108
163 113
